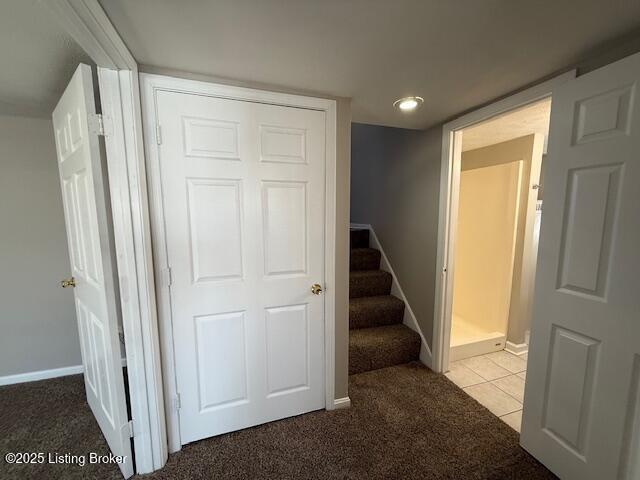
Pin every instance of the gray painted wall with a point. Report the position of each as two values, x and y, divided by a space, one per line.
37 317
395 184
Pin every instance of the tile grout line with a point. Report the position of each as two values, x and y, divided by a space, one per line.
497 386
496 363
511 374
509 413
487 380
515 411
503 390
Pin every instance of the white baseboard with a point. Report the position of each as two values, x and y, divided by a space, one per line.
45 374
40 375
344 402
362 226
516 348
409 318
491 343
425 353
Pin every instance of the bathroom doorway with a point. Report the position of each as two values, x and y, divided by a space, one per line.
497 228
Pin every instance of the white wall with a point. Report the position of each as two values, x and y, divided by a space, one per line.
37 318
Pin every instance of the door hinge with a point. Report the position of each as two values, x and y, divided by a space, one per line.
158 134
100 124
176 402
127 429
168 279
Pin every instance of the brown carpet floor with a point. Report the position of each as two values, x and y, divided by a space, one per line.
406 422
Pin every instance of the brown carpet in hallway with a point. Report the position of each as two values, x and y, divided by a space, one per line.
406 422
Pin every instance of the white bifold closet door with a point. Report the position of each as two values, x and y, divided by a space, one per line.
243 194
582 403
84 197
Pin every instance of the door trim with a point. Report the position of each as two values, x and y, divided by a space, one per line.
448 206
89 26
151 84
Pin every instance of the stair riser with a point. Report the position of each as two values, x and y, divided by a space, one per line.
369 286
372 358
359 238
374 316
364 260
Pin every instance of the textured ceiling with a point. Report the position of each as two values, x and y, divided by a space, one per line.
38 58
518 123
457 54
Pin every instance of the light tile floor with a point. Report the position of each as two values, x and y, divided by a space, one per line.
496 380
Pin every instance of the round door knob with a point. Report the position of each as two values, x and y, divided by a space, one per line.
70 282
316 289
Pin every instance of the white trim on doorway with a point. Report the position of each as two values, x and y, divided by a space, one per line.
151 84
90 27
449 191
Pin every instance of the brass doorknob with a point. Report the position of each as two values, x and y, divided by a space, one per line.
70 282
316 289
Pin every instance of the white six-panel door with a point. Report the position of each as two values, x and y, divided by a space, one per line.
85 210
582 403
243 199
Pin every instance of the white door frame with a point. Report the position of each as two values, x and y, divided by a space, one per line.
89 26
448 214
151 84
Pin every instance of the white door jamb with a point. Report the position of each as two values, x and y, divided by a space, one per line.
449 190
89 26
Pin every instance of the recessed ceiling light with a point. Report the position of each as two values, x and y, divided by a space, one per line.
408 104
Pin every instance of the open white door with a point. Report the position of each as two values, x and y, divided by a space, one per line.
83 195
581 401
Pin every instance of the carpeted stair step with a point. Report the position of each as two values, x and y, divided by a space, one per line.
369 283
380 347
359 238
364 259
365 312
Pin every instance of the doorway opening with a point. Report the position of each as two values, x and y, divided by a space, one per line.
499 206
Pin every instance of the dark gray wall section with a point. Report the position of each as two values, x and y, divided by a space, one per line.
395 184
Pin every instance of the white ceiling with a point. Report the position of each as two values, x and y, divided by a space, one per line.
518 123
457 54
38 58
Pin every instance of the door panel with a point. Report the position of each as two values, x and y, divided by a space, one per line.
591 211
83 198
243 191
284 214
579 398
287 339
222 362
215 229
570 393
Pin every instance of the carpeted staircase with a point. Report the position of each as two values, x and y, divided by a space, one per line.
377 337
